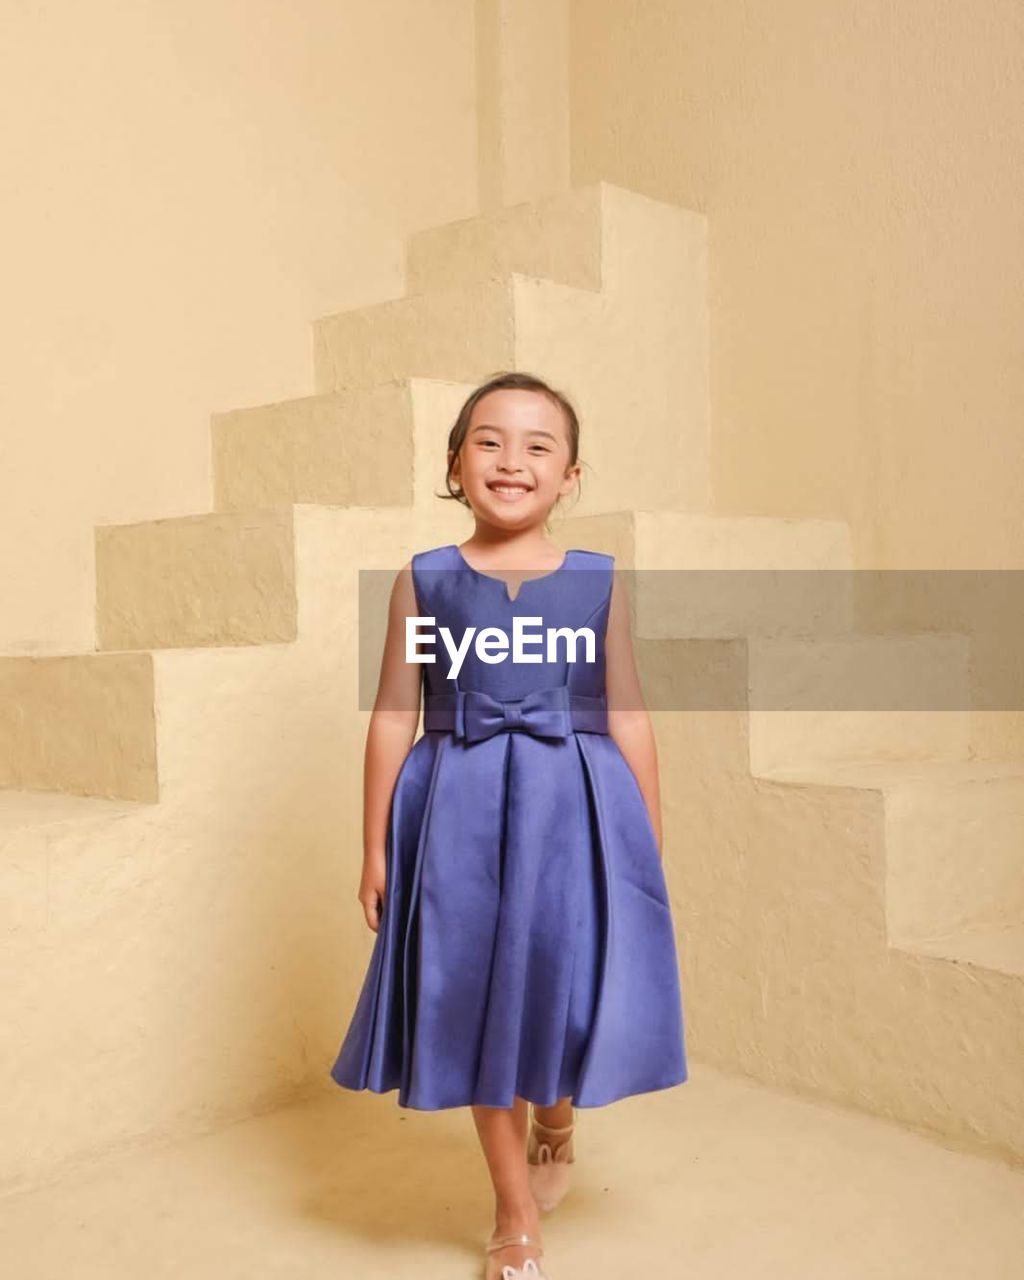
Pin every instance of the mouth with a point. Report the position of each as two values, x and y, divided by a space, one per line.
510 490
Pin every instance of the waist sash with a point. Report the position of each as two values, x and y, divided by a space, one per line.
473 715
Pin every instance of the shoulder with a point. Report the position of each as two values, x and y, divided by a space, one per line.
599 567
404 585
432 558
415 580
593 559
403 588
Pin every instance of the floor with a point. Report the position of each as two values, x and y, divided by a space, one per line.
719 1178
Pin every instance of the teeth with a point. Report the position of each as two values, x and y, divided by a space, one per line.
509 488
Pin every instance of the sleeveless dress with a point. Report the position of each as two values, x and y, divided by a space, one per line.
525 944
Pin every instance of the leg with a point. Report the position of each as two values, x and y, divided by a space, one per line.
502 1133
557 1116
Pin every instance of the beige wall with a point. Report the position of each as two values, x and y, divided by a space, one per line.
861 165
188 184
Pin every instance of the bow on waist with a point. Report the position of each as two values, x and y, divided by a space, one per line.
546 713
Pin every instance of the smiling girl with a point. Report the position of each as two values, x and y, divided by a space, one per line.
525 963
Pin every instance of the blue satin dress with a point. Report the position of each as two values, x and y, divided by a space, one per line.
526 943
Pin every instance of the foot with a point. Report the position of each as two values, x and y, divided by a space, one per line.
549 1153
515 1253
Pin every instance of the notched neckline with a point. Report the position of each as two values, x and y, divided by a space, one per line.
490 577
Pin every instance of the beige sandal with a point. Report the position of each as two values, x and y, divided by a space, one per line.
528 1271
547 1165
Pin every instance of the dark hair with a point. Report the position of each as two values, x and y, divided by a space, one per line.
521 382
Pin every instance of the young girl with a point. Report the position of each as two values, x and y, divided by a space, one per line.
525 960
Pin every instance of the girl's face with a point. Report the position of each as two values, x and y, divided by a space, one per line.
514 460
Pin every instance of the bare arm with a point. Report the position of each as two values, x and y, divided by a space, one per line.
628 719
390 735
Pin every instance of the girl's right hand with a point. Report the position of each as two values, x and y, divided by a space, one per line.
371 891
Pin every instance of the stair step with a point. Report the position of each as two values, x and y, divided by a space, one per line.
881 775
459 333
327 449
223 578
954 831
858 697
559 239
724 576
25 810
319 449
999 948
79 723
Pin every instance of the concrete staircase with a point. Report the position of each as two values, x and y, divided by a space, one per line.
180 822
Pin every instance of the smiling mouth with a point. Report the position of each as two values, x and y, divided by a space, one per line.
511 489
